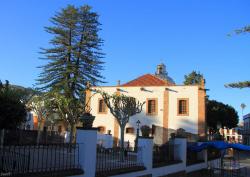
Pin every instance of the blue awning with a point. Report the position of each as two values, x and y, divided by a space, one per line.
221 145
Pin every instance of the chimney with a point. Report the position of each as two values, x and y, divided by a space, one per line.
203 82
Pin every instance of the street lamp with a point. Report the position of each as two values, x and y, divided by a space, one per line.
137 134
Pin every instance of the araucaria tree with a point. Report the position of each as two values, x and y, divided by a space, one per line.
74 58
241 84
122 107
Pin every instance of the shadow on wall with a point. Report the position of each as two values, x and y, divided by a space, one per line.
161 135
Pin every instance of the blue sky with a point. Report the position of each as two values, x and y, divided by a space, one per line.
185 35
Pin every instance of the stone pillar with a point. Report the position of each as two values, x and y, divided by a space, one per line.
87 138
180 151
145 151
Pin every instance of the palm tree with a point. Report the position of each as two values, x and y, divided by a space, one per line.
243 106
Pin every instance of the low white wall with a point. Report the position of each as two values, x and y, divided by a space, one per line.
168 169
147 159
147 149
155 172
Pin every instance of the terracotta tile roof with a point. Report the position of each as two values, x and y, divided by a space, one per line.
147 80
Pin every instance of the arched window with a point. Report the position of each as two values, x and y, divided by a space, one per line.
101 129
130 130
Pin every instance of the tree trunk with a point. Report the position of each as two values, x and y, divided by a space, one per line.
122 143
2 138
40 129
38 133
72 133
122 137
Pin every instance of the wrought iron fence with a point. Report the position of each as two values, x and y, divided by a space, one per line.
213 153
31 159
117 160
165 154
193 157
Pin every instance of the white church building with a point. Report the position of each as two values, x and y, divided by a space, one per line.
167 107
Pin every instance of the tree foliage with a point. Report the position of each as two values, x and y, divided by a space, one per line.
122 107
245 29
39 104
244 84
66 107
12 110
75 55
74 59
221 113
193 78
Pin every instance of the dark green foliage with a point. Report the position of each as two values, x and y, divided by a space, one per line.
194 78
75 54
245 29
224 114
12 110
245 84
74 59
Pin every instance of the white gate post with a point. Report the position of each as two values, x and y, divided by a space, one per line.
87 139
146 145
180 152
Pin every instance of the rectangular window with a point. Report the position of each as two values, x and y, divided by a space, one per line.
130 130
101 129
152 106
183 107
102 106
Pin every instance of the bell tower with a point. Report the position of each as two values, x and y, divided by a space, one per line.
162 73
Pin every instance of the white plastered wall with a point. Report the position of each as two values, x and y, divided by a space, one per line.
189 123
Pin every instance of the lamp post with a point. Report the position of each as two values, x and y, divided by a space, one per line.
137 134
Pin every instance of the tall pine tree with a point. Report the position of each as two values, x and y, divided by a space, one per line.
74 58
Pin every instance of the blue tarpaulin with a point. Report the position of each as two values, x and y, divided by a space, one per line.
221 145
